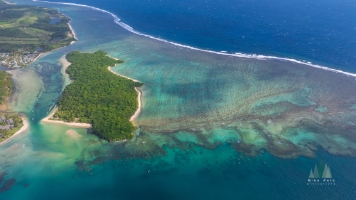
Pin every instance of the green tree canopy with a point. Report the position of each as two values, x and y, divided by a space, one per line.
98 97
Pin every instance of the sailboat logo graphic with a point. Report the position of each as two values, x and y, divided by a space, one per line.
315 173
321 176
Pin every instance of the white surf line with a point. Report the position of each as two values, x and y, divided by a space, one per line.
240 55
8 2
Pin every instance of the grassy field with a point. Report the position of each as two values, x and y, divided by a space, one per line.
31 28
20 40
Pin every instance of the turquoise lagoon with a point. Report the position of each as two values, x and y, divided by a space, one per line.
212 126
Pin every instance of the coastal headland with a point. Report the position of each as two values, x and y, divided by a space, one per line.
27 31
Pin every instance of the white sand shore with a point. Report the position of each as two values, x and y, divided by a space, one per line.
72 124
73 32
23 129
139 99
137 113
36 58
109 68
65 64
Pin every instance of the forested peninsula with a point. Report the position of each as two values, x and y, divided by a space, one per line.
98 97
9 123
27 31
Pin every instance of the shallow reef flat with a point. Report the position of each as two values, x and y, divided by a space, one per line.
286 108
209 122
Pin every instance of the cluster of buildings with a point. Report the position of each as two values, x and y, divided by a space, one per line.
5 124
17 60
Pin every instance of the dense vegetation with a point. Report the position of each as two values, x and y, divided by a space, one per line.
6 86
98 97
29 28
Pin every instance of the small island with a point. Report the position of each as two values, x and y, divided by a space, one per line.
28 31
9 123
98 97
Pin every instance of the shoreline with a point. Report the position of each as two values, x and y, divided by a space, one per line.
138 111
23 129
134 80
65 64
239 55
139 99
72 124
73 32
8 2
35 58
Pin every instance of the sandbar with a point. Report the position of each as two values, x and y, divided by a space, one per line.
36 58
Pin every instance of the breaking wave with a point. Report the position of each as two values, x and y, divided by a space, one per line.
240 55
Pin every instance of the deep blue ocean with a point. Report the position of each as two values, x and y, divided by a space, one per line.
188 144
319 31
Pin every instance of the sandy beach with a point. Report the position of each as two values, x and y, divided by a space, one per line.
109 68
73 32
23 129
65 64
139 99
36 58
137 112
72 124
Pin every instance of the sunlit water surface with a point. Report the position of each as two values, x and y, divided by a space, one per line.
212 126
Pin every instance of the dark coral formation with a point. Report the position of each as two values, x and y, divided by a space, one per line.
289 109
2 177
7 185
